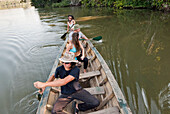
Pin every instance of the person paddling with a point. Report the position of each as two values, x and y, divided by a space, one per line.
76 29
70 87
70 23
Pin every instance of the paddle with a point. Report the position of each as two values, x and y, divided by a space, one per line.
95 38
38 95
64 35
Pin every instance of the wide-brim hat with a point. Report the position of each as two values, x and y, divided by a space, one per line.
76 26
68 58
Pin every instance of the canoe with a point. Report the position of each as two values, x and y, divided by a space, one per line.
98 80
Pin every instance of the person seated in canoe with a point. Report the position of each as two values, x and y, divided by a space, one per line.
70 23
77 29
76 47
70 87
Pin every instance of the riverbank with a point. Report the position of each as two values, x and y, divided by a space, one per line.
7 4
162 5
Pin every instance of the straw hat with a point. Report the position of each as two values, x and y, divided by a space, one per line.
68 57
76 26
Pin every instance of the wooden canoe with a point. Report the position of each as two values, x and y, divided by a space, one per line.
98 80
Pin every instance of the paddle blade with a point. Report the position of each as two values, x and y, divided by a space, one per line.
81 39
97 38
64 35
38 96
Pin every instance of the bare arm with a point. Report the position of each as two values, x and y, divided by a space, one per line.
67 26
55 83
60 82
51 78
84 37
68 47
82 48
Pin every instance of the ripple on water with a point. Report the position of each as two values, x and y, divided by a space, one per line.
28 104
12 48
39 49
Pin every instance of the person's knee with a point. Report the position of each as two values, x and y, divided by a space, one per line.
85 59
96 103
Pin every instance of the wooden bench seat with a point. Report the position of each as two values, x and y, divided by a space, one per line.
95 90
89 74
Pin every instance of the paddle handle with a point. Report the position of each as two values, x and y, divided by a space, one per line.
95 38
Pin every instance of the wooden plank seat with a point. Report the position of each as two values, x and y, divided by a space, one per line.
110 110
95 90
89 74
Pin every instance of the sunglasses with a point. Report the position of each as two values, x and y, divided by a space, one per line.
67 63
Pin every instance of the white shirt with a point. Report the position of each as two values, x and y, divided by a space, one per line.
81 35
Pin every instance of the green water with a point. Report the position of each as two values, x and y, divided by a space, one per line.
135 46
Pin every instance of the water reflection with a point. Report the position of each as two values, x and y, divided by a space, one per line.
27 53
135 45
136 49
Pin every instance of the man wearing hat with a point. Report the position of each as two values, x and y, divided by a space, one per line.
70 87
77 29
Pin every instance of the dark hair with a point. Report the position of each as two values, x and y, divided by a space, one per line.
75 41
71 16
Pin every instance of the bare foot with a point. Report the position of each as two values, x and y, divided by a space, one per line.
77 108
84 70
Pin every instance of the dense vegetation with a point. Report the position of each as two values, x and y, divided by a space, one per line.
116 4
50 3
157 4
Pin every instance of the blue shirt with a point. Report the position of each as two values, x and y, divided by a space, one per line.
73 49
69 88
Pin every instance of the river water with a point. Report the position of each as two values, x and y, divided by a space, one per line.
135 45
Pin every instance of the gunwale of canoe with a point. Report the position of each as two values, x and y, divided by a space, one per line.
112 96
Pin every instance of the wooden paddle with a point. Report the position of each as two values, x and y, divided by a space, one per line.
64 35
95 38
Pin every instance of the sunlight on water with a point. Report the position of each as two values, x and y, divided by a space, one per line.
91 18
27 53
145 99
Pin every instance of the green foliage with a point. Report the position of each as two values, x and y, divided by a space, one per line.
119 4
116 4
157 4
63 3
50 3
